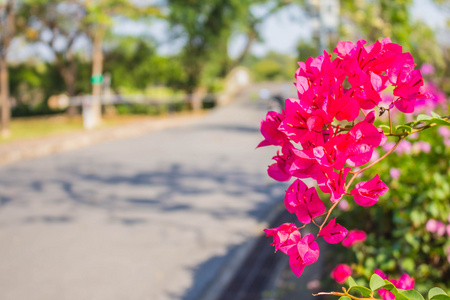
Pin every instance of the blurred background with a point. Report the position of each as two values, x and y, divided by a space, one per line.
172 201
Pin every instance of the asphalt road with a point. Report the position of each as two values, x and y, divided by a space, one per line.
158 216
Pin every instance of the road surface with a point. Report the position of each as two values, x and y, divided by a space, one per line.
157 217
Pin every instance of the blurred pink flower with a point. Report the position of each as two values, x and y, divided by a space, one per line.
375 156
427 69
422 146
343 204
405 282
444 131
435 98
437 227
341 273
414 136
354 237
431 225
404 147
440 228
395 173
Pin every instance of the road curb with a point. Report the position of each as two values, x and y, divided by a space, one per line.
234 263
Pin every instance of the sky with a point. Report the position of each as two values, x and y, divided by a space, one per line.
281 32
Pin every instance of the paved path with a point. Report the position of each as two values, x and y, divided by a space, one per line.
150 217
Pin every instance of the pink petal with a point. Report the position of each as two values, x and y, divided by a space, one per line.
308 249
333 233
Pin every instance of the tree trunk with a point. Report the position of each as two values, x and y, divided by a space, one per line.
97 69
4 99
8 30
69 76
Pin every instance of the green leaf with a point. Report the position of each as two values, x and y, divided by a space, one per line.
423 117
403 128
351 282
408 264
440 121
413 295
376 282
385 128
362 289
435 115
400 296
440 297
435 291
344 298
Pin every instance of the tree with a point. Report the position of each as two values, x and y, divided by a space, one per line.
99 18
58 25
7 31
207 26
372 20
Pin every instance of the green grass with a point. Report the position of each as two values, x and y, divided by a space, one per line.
28 128
40 127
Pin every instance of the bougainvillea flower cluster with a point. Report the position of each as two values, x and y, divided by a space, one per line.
328 134
405 282
341 273
354 237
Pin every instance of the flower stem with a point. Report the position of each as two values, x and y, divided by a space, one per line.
345 294
390 121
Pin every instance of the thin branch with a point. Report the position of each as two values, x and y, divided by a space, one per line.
344 294
390 121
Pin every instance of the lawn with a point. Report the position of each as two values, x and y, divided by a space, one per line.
39 127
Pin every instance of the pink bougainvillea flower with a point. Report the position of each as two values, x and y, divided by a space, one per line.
306 253
359 143
285 237
304 202
308 249
333 233
280 170
381 274
294 195
269 129
405 282
354 237
367 192
305 164
296 264
333 183
341 273
329 157
299 125
386 295
403 65
408 90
